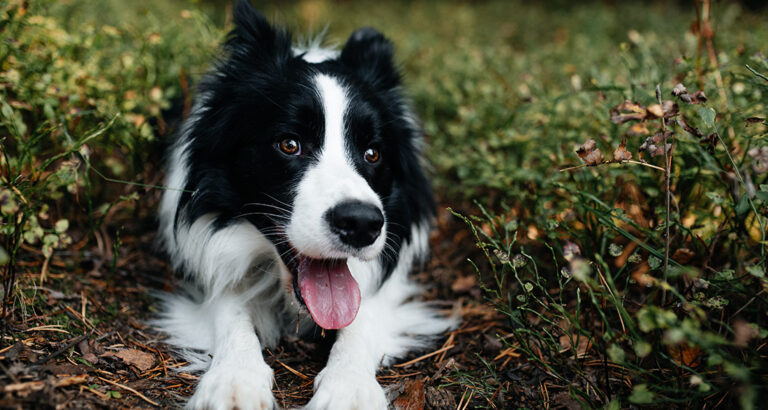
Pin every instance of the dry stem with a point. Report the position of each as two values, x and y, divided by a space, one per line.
628 161
668 194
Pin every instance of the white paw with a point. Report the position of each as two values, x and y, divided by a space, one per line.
347 390
227 386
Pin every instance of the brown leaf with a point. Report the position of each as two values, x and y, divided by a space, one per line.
134 357
464 284
683 255
621 153
571 251
670 108
655 145
590 154
684 125
679 90
754 120
709 142
638 129
628 111
656 110
581 349
697 97
641 276
685 354
759 158
413 398
744 332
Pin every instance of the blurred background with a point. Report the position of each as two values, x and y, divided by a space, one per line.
585 279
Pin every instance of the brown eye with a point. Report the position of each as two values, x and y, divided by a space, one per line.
372 155
290 146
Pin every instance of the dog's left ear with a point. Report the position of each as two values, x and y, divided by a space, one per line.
370 55
255 40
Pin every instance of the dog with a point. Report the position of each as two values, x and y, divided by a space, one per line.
297 201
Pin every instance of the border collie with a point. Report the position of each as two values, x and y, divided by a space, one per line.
297 200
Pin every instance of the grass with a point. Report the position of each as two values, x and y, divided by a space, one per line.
596 286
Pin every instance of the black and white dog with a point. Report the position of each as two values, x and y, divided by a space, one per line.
297 200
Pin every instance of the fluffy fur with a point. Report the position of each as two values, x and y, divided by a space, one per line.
245 215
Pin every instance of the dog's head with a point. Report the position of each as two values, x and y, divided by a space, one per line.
317 149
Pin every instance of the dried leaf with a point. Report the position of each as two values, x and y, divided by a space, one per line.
638 129
581 348
134 357
754 120
685 354
628 111
621 153
641 276
571 251
709 142
759 158
697 97
683 255
413 398
655 145
464 284
87 352
744 332
679 90
655 110
670 108
590 154
691 130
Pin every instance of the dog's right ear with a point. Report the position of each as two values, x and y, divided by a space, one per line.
370 55
253 38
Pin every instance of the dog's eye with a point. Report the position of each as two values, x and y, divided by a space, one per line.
372 155
290 146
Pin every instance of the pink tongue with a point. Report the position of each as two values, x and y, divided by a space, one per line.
329 291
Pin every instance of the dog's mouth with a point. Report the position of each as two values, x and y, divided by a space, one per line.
328 290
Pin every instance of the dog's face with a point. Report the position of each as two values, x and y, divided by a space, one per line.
318 153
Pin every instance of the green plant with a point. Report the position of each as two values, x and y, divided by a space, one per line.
78 102
617 311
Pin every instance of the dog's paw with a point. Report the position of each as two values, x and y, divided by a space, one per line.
347 390
227 387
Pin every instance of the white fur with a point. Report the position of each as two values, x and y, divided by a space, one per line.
238 377
315 54
331 181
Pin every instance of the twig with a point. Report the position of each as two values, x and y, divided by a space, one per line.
64 348
699 45
471 393
710 34
668 194
122 386
292 370
756 73
40 384
426 356
628 161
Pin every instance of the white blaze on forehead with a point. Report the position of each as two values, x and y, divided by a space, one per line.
335 102
332 180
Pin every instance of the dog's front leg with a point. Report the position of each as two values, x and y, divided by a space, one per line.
349 379
238 376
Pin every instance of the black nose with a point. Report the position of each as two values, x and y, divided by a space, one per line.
356 223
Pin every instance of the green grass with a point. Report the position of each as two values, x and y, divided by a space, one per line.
507 91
